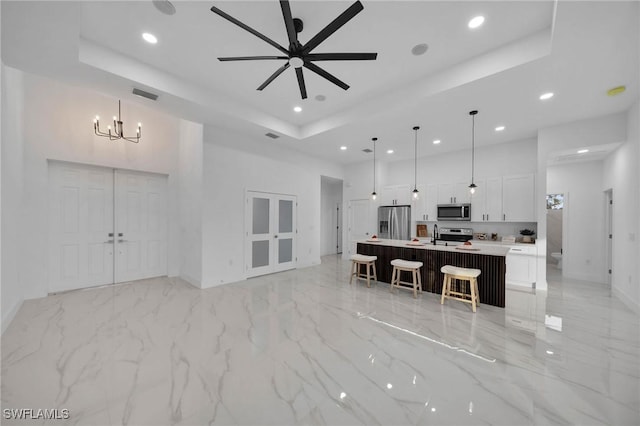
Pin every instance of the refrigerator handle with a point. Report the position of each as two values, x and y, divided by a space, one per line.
390 223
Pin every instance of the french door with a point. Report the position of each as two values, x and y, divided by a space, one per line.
106 226
270 233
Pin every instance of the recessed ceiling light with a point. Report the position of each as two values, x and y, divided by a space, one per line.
476 22
583 151
420 49
297 109
546 96
436 142
499 128
616 90
149 38
344 148
389 151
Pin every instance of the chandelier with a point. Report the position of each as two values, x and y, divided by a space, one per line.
117 132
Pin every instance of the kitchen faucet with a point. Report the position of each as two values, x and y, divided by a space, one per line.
435 233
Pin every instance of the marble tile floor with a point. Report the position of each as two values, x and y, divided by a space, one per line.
305 347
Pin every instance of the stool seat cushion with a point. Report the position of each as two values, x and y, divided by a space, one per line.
363 258
406 264
463 272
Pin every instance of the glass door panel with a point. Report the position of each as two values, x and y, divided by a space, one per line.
285 233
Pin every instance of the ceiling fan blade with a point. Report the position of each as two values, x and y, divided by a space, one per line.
250 58
273 76
334 26
288 23
341 56
322 73
303 88
249 29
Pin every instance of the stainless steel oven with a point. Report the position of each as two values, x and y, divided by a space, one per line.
454 212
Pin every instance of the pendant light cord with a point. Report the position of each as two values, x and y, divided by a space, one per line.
374 164
415 159
473 143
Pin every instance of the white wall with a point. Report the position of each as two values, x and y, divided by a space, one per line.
621 174
12 293
53 120
190 157
584 255
234 164
574 135
331 198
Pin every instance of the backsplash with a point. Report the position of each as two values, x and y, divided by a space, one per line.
500 228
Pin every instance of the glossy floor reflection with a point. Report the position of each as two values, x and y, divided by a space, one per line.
305 347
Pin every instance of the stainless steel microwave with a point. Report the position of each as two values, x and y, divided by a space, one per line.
454 211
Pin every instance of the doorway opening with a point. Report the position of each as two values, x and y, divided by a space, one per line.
330 216
555 212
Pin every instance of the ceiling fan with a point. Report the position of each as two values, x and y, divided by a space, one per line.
300 55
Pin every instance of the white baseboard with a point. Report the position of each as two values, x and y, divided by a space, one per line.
7 317
624 298
190 280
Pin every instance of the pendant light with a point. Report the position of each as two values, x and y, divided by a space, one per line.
415 164
473 186
373 194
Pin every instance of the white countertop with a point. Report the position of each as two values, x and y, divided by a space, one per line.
486 249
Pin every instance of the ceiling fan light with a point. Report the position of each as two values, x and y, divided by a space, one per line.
296 62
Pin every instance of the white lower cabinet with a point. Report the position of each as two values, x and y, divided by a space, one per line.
521 265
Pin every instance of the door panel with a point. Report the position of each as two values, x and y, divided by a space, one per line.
80 220
285 233
141 225
359 223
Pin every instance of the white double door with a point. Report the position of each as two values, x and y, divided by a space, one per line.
270 233
106 226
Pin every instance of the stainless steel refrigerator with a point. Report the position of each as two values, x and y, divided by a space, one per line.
394 222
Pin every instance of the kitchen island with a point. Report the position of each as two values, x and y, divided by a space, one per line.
490 260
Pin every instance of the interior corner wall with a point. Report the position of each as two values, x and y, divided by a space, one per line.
622 176
236 163
12 291
574 135
584 255
57 124
190 157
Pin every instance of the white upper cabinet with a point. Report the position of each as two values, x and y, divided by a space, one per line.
425 207
486 203
518 198
453 193
395 195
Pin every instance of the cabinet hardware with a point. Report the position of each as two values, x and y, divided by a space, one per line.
110 234
483 217
108 242
487 217
120 234
123 241
504 216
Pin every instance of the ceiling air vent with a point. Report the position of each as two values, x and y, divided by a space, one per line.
272 135
144 94
367 150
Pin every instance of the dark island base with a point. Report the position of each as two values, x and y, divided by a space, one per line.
491 282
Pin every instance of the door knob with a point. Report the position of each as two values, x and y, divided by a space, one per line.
275 236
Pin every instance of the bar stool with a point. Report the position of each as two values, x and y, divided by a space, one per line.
400 265
369 262
463 274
